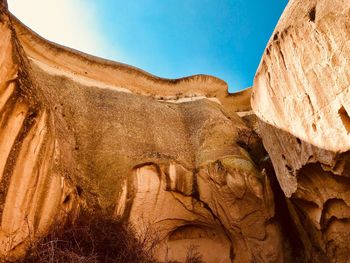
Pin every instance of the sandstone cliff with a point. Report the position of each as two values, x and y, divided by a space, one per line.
181 158
79 131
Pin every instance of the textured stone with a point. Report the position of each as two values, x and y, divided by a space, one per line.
32 193
301 97
165 155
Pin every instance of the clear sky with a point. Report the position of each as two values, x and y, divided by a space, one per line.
168 38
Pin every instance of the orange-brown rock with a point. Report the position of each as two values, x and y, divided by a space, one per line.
33 191
79 131
301 96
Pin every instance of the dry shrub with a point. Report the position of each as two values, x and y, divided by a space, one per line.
98 239
93 239
193 256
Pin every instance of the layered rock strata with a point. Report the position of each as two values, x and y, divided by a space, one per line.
301 97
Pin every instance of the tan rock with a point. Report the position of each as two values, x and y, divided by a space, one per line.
301 96
32 192
163 154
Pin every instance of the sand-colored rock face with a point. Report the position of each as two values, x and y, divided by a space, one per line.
302 97
78 131
32 191
225 206
302 85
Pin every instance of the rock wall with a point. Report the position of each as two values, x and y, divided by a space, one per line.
164 155
180 159
301 97
226 205
32 192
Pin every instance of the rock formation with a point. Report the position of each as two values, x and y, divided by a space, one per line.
79 131
181 159
34 191
301 97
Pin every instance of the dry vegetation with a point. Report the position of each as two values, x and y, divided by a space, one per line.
97 239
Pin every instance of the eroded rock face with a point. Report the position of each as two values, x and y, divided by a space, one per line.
78 131
301 96
226 205
32 191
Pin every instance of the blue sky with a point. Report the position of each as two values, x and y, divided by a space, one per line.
168 38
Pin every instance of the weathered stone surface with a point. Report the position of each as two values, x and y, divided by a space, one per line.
163 154
301 96
302 84
226 205
32 191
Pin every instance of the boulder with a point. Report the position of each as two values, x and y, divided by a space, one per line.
301 96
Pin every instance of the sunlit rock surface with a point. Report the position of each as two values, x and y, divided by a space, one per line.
301 96
33 188
79 131
180 159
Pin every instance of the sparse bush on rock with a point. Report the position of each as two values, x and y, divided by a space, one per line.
97 239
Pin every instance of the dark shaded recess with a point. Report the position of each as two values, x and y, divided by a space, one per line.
66 199
325 222
293 247
292 242
312 14
300 225
345 118
344 160
3 4
298 140
252 143
189 231
195 189
308 173
290 169
315 253
79 190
